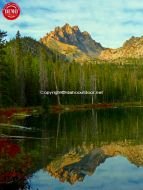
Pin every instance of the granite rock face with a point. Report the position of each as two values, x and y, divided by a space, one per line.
73 41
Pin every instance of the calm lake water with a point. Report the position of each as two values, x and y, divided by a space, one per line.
95 149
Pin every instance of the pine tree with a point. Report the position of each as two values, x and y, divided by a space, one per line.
43 79
19 70
3 69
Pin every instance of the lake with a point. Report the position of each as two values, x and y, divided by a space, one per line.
95 149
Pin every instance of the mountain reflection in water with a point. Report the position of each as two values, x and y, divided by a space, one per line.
75 147
73 167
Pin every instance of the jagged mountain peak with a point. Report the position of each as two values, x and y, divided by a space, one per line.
66 29
86 34
67 36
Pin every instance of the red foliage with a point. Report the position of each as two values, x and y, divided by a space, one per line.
15 164
10 112
7 148
11 176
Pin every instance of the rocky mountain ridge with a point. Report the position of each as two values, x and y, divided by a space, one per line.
132 48
72 42
80 46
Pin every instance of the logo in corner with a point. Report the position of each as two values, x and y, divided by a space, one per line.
11 11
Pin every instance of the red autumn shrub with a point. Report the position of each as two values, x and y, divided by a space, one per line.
14 163
7 148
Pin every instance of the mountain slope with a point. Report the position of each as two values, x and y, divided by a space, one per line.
32 47
132 48
73 43
71 52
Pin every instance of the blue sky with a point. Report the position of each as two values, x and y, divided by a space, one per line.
110 22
